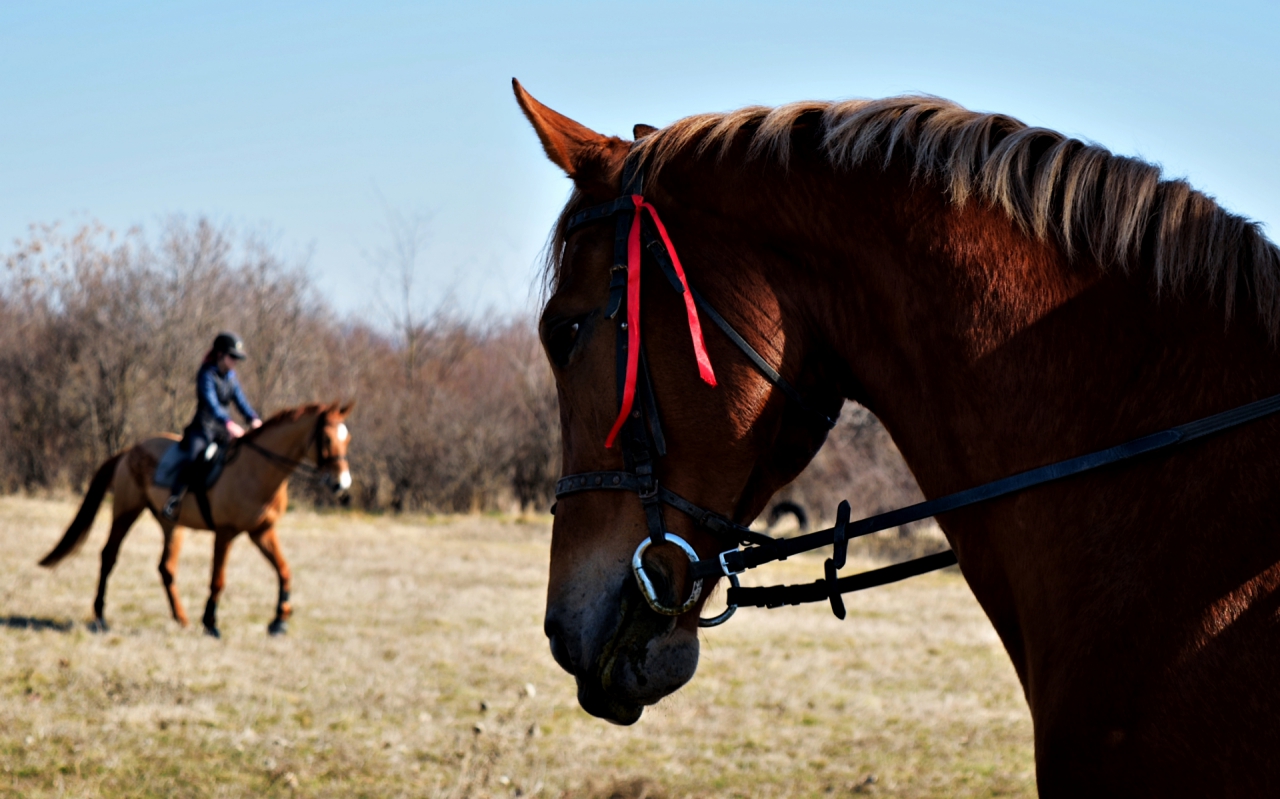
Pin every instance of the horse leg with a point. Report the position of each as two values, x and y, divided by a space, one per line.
221 546
269 544
119 528
169 570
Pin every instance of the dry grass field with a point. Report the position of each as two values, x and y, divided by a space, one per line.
416 666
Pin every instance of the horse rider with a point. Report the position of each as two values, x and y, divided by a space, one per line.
217 388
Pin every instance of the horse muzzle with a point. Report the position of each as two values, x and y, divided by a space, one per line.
622 653
338 484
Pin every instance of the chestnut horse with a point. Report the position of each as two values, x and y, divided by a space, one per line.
250 496
1002 297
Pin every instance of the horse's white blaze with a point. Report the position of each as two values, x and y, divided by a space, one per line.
342 432
344 479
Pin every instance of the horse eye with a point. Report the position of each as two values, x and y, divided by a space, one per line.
561 340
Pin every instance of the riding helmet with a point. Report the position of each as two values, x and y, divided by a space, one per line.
230 344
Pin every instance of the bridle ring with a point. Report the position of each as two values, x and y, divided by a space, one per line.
651 595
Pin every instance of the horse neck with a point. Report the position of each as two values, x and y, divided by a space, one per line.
984 350
291 439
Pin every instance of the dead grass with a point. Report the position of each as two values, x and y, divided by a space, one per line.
416 666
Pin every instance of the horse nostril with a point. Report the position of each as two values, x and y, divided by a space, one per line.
561 653
559 650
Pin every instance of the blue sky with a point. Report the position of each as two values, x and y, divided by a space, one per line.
308 121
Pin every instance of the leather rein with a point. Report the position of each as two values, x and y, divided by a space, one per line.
639 429
312 472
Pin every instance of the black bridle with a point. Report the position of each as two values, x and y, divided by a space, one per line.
641 436
325 459
642 441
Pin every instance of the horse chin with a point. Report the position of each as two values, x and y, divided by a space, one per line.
637 672
643 658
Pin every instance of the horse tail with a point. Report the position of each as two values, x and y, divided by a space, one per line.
79 529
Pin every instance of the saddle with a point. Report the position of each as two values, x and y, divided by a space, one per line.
203 472
200 473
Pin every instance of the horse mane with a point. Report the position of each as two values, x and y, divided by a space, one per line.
292 415
1093 203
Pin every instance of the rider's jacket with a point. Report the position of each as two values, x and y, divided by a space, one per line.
214 394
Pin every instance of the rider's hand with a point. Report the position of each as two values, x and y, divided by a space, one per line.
255 424
234 429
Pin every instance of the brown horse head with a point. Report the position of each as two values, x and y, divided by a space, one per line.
312 432
332 440
729 447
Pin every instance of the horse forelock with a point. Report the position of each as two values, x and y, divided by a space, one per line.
1118 211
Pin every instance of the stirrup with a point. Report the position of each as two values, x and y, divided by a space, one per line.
171 508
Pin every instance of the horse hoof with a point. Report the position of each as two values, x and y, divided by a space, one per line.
278 627
99 626
212 631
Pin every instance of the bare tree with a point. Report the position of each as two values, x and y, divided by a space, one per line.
397 264
101 335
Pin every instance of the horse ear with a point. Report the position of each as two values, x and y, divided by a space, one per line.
592 160
347 409
640 130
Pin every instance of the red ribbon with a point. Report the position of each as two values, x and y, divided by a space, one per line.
633 314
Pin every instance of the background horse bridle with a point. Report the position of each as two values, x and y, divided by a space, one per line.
324 453
640 430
